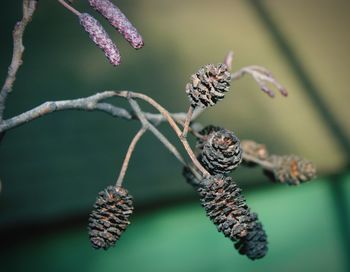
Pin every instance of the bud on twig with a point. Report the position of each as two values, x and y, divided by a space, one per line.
100 38
118 20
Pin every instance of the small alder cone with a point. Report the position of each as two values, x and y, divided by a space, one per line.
292 169
110 217
100 37
208 85
221 152
226 207
118 20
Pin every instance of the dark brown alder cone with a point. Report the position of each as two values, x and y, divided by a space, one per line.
208 85
226 207
292 169
100 37
221 152
117 19
110 217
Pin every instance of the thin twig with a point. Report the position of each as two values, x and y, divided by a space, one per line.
91 103
69 7
262 76
135 106
29 7
181 122
263 163
229 59
172 123
128 156
187 121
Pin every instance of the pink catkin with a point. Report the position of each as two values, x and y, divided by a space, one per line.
118 20
100 38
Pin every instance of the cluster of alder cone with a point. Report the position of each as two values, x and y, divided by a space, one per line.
219 151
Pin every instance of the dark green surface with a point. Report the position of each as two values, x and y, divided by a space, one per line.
301 228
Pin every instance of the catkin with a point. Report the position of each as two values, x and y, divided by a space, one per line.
100 37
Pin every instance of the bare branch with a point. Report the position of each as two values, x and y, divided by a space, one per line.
128 155
155 131
261 75
172 123
262 163
29 7
187 121
69 7
90 103
229 59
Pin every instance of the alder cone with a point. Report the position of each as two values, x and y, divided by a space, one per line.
221 152
292 169
226 207
208 85
110 217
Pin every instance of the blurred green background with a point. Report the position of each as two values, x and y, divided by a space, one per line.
52 168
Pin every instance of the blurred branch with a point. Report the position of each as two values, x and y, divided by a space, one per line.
29 7
262 76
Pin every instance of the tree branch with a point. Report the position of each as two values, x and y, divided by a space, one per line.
187 121
129 154
29 6
262 76
172 123
90 103
155 131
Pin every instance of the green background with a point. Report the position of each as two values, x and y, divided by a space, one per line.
52 168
